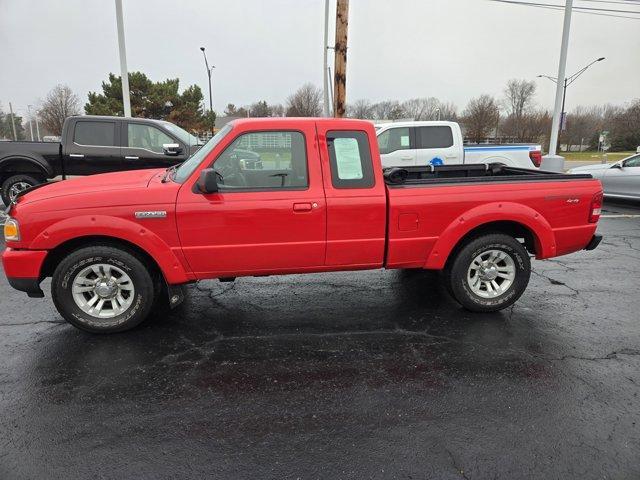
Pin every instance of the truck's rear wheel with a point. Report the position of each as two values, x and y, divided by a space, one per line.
489 273
15 184
103 289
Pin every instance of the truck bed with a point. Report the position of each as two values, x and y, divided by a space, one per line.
429 207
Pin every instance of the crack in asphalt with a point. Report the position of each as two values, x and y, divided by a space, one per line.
454 464
553 281
55 322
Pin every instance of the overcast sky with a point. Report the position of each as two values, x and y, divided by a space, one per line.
449 49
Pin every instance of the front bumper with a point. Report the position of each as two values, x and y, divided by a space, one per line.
22 268
595 241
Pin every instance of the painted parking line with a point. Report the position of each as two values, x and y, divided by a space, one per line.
621 215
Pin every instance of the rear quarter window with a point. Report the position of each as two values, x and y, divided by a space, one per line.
101 134
350 159
434 137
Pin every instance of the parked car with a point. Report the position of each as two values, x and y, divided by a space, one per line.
404 144
90 145
112 241
620 179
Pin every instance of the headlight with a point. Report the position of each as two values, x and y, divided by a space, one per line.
11 230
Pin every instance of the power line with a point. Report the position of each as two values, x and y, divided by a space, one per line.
559 7
575 8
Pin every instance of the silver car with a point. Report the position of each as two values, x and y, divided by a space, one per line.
620 179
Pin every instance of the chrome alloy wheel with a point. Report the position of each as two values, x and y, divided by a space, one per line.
103 291
491 273
16 188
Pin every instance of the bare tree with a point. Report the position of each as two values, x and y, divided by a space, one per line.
448 111
420 108
388 110
277 110
360 109
519 101
60 103
305 102
480 117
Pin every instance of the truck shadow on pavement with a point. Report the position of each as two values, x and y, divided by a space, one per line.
289 332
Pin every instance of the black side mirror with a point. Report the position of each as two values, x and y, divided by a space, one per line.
171 149
208 181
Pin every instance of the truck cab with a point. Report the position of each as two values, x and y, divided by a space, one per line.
420 143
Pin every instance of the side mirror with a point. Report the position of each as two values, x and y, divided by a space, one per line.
617 165
171 149
208 181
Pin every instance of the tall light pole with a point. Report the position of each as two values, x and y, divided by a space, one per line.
568 81
552 161
325 48
126 100
209 71
30 121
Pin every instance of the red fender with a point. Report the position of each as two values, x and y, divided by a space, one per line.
543 235
117 228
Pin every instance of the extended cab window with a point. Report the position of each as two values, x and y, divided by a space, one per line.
394 139
102 134
350 159
147 137
434 137
263 160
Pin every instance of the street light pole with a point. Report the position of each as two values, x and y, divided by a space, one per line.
126 100
209 70
552 161
325 48
30 121
568 81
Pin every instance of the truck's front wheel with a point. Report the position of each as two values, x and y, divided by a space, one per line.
15 184
489 273
103 289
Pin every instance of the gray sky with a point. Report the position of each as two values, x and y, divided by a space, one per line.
449 49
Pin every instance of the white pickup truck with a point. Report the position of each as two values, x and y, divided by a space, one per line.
437 143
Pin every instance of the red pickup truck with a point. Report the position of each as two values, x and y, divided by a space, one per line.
317 201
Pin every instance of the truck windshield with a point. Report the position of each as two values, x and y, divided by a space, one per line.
186 169
183 135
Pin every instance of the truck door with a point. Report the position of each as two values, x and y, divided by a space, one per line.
397 148
93 146
356 197
268 215
142 147
435 146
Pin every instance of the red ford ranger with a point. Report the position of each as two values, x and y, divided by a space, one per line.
318 200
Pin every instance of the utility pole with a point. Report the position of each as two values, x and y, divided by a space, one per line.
552 161
13 123
126 100
325 48
340 75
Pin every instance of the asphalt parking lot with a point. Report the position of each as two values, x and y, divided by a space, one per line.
347 375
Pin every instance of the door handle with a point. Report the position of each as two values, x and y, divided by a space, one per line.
130 158
406 158
76 155
304 207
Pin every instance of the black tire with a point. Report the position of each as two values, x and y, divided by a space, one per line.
457 271
143 297
14 179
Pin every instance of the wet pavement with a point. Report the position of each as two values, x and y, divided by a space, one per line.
347 375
